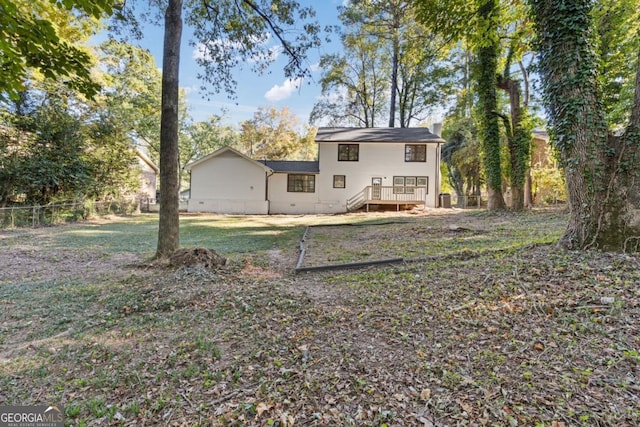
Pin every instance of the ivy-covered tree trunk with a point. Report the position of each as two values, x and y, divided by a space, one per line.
488 102
519 141
169 223
601 170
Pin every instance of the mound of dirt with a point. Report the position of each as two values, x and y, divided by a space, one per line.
197 257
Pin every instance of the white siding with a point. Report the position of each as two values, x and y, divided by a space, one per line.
284 202
376 159
228 183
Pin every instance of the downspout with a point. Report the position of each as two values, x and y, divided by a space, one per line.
437 195
437 130
267 174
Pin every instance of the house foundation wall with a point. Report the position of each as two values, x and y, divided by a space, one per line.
249 207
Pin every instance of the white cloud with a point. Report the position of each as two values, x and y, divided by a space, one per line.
280 92
270 55
314 67
189 89
203 51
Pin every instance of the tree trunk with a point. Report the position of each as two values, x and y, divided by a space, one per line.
528 190
488 100
603 192
394 81
169 222
519 141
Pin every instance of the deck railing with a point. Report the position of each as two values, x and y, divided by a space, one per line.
387 195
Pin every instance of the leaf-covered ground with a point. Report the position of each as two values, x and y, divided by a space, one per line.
488 325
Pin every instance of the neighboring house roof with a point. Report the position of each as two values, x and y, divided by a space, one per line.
147 160
400 135
290 166
222 151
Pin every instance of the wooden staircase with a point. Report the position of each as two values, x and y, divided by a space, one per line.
357 201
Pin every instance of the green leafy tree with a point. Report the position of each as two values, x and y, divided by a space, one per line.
354 85
460 156
198 139
518 124
601 168
32 37
488 53
617 27
384 23
390 66
271 134
48 153
477 23
131 90
112 160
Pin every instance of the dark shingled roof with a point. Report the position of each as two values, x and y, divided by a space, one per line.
401 135
292 166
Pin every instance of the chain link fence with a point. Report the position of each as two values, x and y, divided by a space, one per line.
36 216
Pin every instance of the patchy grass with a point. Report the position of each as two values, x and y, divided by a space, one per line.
415 238
497 327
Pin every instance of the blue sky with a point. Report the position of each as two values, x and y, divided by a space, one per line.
253 90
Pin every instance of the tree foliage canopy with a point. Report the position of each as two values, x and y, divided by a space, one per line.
32 37
272 134
390 68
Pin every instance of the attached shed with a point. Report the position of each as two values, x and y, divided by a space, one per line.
227 181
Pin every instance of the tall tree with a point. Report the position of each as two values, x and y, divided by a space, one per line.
271 134
131 90
460 156
617 26
477 23
601 168
389 66
47 145
518 126
425 77
354 85
488 52
385 22
169 219
227 32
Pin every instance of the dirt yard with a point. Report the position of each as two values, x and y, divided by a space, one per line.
486 324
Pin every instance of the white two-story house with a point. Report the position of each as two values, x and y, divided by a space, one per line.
356 168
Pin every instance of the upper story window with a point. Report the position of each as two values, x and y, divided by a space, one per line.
299 183
348 152
415 153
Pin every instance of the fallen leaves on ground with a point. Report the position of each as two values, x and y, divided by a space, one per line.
532 335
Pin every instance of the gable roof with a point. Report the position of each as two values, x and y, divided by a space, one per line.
400 135
224 150
293 166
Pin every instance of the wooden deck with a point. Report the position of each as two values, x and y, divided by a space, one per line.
385 195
